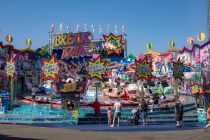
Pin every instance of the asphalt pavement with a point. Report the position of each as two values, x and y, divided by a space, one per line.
189 131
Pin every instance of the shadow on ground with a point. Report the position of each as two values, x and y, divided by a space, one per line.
129 128
6 137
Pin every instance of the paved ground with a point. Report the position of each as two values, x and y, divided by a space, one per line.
102 132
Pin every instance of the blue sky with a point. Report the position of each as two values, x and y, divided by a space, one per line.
156 21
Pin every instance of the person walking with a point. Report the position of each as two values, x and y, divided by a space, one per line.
179 113
208 119
144 108
109 116
117 107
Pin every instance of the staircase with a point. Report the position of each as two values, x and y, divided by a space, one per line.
30 114
157 116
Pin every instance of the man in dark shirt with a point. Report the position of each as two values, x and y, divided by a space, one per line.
144 108
97 111
179 113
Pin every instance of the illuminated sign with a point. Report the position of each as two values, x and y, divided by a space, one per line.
70 52
96 45
10 68
71 87
143 69
50 68
96 68
113 44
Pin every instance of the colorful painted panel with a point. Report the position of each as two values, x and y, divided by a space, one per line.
50 68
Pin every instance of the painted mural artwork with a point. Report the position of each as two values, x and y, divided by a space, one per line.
72 69
50 68
85 69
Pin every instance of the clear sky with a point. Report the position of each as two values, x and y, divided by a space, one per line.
156 21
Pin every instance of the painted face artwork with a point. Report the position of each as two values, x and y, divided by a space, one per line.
197 55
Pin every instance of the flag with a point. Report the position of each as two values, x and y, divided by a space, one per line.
52 28
115 27
78 27
107 28
67 27
85 27
123 29
92 26
100 28
61 27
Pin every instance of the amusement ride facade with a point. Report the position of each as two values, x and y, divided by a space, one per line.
78 69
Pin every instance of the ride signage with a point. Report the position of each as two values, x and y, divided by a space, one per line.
10 68
178 69
113 44
73 44
50 68
96 68
143 69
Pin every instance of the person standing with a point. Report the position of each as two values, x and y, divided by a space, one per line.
208 118
179 113
109 116
144 108
117 107
29 87
33 93
97 111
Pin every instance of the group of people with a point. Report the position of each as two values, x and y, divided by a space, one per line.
142 109
117 113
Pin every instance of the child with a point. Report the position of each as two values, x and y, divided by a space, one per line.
109 116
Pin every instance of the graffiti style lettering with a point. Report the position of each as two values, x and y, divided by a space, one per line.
72 39
67 52
96 68
73 44
70 51
59 40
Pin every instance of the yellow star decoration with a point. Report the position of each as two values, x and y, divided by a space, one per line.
10 68
96 68
50 68
115 43
143 69
75 114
